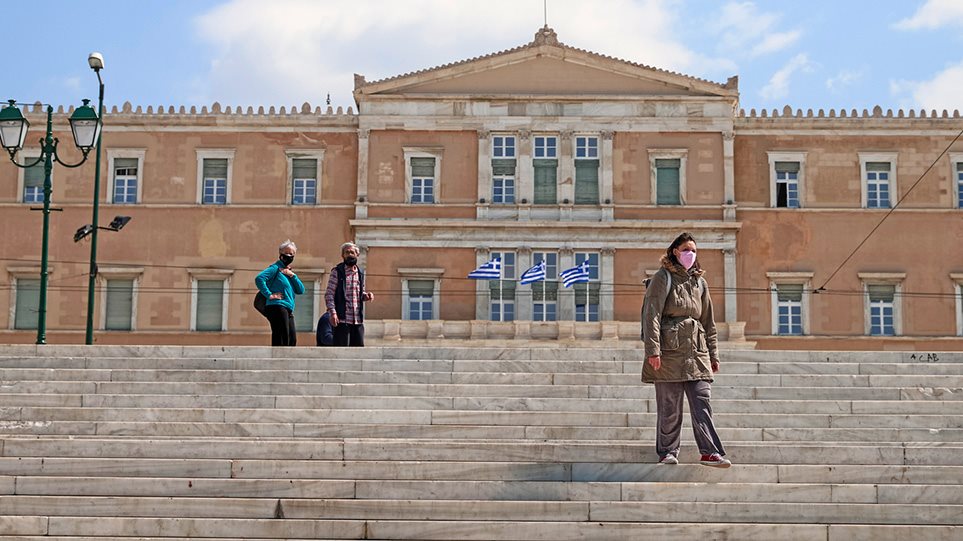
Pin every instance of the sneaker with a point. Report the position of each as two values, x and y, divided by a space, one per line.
669 459
715 460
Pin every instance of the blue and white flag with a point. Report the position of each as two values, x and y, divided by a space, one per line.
489 271
575 275
534 274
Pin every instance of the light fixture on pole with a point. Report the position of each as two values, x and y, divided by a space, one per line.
85 126
86 230
96 63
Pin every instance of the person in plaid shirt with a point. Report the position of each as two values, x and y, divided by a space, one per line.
345 297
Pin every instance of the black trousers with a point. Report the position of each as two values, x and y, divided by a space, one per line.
346 334
283 332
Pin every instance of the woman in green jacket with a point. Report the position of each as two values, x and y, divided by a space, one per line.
681 352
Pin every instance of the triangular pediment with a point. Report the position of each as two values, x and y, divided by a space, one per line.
544 68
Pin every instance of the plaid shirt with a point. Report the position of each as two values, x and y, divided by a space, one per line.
352 295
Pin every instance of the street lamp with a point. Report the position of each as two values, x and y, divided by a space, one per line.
85 126
96 63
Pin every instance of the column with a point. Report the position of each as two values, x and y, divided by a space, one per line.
730 283
523 294
525 175
361 204
484 175
607 284
566 296
729 175
566 174
482 254
606 178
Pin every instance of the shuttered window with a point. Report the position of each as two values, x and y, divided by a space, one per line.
546 182
210 305
877 184
789 309
215 181
304 308
882 309
28 303
503 181
33 184
787 184
422 180
119 305
420 293
667 181
959 184
586 182
125 181
304 181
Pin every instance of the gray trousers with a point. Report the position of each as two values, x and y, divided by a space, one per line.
668 398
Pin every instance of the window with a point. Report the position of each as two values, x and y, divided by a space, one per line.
209 299
502 292
958 287
304 181
878 171
503 146
786 171
882 305
790 302
119 305
545 164
33 178
958 182
27 307
586 170
667 172
503 181
214 172
124 166
789 309
587 294
545 293
420 299
422 179
882 309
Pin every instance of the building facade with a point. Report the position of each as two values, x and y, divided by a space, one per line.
540 153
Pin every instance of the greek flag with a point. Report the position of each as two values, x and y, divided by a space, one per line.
534 274
489 271
575 275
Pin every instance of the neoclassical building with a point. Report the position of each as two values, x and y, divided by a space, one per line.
544 152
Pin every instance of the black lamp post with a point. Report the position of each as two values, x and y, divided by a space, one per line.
85 126
96 62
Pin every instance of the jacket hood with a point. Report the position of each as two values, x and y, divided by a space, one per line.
679 269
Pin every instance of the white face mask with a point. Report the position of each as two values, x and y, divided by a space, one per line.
687 259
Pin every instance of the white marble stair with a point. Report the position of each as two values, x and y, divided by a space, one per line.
469 443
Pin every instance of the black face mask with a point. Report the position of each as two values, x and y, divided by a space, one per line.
351 261
286 259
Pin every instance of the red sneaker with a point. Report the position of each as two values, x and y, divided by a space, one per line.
715 460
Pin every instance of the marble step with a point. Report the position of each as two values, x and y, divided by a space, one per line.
477 530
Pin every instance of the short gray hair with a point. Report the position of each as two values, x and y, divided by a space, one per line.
287 243
347 245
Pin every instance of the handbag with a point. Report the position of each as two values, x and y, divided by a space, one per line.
260 301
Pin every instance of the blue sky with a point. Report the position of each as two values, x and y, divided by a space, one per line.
807 54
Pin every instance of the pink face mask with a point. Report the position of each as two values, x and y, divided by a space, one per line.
687 259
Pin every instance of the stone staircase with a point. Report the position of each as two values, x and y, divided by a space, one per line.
469 443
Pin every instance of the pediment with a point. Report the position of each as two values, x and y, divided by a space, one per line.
544 69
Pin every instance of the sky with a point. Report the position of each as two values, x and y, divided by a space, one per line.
803 53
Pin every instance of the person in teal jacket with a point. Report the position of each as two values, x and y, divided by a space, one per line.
279 284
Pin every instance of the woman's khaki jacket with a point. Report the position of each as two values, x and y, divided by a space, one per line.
678 325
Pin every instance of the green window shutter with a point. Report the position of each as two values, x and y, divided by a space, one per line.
881 292
587 293
787 167
304 168
421 288
304 308
125 166
210 304
507 290
503 167
120 305
667 189
959 166
28 303
33 176
789 292
545 291
877 166
215 168
423 167
546 182
586 182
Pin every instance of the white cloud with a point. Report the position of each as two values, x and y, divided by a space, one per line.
940 92
742 26
778 85
934 14
843 79
298 50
